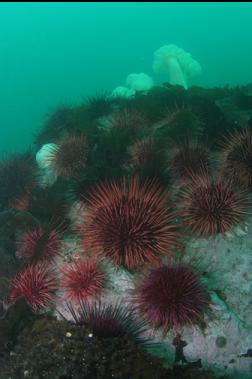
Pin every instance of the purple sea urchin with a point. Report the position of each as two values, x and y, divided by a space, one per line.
109 321
171 296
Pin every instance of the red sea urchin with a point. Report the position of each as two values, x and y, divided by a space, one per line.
210 206
146 154
131 223
189 158
40 244
237 157
171 296
148 159
36 284
69 157
83 279
142 152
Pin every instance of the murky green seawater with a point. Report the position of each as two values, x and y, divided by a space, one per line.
53 54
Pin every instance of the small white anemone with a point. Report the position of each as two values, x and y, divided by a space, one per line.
47 176
123 92
176 63
139 82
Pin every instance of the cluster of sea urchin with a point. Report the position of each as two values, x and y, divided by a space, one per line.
130 222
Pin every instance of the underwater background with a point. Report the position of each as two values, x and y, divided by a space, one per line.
57 54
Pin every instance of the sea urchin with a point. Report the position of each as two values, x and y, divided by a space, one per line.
110 321
129 222
210 206
189 158
83 279
69 157
171 296
36 284
40 244
237 157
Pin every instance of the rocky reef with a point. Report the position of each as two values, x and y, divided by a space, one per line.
142 201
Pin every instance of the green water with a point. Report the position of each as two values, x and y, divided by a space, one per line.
58 53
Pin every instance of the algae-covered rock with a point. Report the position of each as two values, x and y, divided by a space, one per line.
61 350
57 349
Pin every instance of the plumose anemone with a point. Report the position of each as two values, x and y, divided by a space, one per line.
122 91
177 64
139 82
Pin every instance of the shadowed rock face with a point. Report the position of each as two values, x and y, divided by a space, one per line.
12 220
